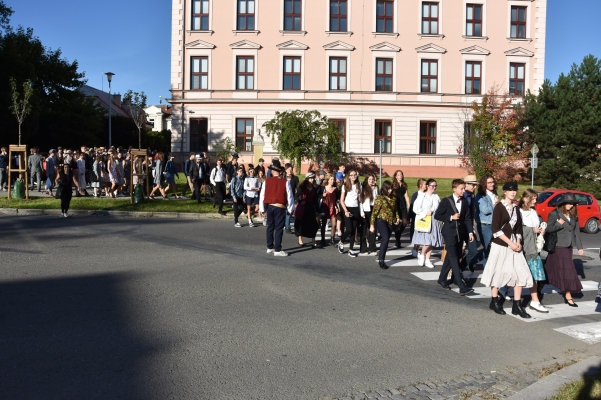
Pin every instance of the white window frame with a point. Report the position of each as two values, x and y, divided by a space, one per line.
529 11
348 32
479 58
235 26
199 53
302 32
440 34
245 53
201 32
429 56
395 24
292 53
519 60
484 37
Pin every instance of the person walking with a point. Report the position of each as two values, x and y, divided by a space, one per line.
421 187
531 229
237 191
486 200
218 181
424 207
195 174
170 174
559 264
189 183
402 203
159 178
96 176
65 180
471 256
252 187
294 181
506 265
276 199
455 213
34 162
329 209
384 215
369 195
51 165
305 215
350 199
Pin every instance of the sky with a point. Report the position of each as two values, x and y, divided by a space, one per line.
131 38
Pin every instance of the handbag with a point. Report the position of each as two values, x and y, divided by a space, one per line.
424 224
58 192
550 242
299 211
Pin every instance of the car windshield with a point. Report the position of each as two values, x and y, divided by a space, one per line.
542 196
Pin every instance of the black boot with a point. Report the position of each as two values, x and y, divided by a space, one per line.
382 264
517 309
496 307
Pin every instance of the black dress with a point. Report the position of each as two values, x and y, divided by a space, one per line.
401 208
65 182
307 201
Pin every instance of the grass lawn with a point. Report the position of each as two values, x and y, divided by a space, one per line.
588 387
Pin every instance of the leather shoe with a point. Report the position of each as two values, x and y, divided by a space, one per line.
443 285
465 290
496 307
517 309
383 264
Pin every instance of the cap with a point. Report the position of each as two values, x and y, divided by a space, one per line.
510 186
198 157
470 179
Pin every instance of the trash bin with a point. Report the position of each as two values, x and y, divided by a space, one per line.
139 194
19 190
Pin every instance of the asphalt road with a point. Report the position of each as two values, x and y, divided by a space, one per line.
98 307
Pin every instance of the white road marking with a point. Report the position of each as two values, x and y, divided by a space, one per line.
433 276
589 333
559 311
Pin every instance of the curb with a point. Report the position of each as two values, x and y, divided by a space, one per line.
107 213
549 386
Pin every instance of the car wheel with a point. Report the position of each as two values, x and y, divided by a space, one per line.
592 226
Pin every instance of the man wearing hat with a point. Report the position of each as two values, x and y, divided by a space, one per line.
276 198
268 174
472 247
196 176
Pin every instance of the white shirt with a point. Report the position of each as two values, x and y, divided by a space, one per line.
457 204
493 197
369 203
217 175
351 199
251 182
530 218
424 203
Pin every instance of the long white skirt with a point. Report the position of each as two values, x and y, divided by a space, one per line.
506 267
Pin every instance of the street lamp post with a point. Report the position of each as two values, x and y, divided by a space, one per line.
534 163
109 77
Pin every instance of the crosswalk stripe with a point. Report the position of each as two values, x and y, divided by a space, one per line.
483 292
589 333
559 311
412 262
433 276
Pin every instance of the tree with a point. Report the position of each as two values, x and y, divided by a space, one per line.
137 103
20 108
564 120
224 148
304 136
494 139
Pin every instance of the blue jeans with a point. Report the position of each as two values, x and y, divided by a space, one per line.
287 222
275 227
485 232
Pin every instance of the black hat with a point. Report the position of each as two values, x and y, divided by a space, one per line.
567 198
510 186
276 166
235 155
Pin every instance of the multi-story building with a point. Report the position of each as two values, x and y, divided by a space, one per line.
404 71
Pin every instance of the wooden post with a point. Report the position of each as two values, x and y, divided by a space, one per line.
143 172
21 150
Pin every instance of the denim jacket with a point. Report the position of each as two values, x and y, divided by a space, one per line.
237 187
484 209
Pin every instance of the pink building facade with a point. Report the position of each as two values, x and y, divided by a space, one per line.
400 72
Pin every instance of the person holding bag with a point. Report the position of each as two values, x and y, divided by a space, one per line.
559 264
427 229
383 216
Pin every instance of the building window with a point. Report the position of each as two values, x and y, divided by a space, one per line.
337 73
430 18
244 134
200 15
429 76
200 73
473 77
292 15
341 125
292 73
473 20
518 22
385 16
427 137
199 135
383 132
246 15
517 79
383 75
338 15
245 73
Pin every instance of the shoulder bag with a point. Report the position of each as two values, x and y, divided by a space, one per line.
550 240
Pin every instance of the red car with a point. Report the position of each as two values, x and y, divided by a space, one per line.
589 213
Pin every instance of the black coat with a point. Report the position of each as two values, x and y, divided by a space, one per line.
193 171
459 229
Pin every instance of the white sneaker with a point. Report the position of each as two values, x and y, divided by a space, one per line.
250 223
340 247
66 215
351 253
264 222
414 253
538 307
270 251
62 215
280 253
428 264
420 260
237 225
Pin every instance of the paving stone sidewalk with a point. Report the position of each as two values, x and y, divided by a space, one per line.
487 386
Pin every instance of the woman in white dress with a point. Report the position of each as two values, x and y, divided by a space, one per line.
506 265
81 177
425 205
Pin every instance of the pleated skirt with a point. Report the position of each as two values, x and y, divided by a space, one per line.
561 271
506 267
432 238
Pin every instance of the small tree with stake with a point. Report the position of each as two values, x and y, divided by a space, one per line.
136 103
20 107
304 135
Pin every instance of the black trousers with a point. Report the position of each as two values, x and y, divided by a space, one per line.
351 224
398 233
451 261
239 206
385 231
368 236
220 189
66 196
197 186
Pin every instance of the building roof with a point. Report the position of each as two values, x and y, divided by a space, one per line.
102 98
